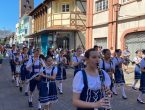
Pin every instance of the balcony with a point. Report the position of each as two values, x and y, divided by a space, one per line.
70 20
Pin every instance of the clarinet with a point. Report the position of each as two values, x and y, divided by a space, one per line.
103 87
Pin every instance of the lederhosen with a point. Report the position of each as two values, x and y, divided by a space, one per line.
78 67
61 73
137 71
142 81
108 70
47 89
12 64
89 95
25 74
119 76
34 82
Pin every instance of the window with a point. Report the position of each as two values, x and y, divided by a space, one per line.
65 8
124 1
101 5
27 2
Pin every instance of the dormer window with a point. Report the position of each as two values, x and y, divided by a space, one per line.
65 8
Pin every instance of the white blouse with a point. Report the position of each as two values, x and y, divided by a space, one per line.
48 70
94 82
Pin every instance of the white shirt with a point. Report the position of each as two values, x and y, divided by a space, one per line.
11 54
37 62
59 59
107 65
137 59
94 82
116 60
19 58
23 56
76 59
126 53
48 70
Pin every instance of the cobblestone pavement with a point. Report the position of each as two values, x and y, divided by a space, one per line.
12 99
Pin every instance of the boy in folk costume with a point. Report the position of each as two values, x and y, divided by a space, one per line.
34 65
17 61
25 74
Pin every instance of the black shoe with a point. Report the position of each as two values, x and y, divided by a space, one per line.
30 104
134 88
39 108
115 93
60 92
140 101
124 97
21 89
26 93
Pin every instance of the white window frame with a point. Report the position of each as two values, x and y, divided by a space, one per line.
67 9
101 5
125 1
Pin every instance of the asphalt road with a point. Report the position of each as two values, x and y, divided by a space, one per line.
12 99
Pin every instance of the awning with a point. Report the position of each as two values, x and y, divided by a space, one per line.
52 29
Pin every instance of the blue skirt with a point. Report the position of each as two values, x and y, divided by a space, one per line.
24 73
13 66
142 83
61 74
1 61
119 76
47 95
137 72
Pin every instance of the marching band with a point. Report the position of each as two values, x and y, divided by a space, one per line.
97 74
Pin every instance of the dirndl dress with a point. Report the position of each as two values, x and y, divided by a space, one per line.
119 76
137 72
142 83
89 95
61 73
47 91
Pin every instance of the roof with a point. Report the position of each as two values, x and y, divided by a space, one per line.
37 8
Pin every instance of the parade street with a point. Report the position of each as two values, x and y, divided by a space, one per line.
12 99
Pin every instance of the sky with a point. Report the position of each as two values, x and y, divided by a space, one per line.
9 13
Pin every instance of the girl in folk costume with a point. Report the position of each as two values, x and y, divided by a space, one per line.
25 75
61 75
91 85
142 80
119 76
107 65
48 89
78 61
17 61
137 69
34 65
1 54
12 54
